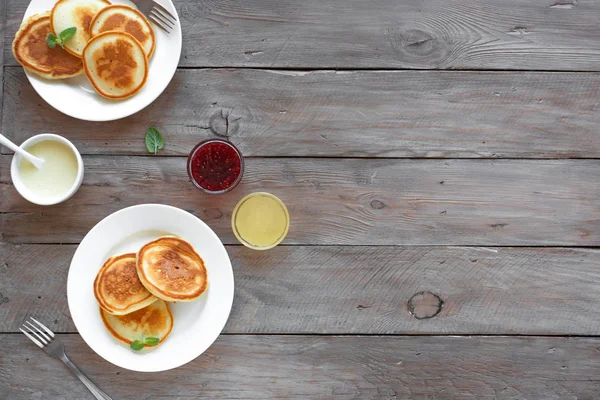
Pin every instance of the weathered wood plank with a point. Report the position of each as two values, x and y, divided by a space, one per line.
343 201
359 114
2 39
358 290
496 34
303 367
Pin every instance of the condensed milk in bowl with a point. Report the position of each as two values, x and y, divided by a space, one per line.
57 180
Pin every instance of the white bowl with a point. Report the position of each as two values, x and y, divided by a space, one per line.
18 182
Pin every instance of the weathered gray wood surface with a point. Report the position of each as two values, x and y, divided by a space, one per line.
490 34
2 39
358 290
368 110
354 367
343 201
348 114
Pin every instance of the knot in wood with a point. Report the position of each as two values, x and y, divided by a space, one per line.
194 9
417 41
377 204
419 45
223 124
424 305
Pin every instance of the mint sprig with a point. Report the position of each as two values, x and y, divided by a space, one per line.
154 140
138 345
52 40
151 341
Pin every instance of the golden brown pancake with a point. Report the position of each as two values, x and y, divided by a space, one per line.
32 52
122 18
155 320
170 269
118 288
115 64
79 14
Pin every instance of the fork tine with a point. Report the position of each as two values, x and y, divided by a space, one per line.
151 18
34 340
43 326
33 332
162 19
37 330
165 11
163 15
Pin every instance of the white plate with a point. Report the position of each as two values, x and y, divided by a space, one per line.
77 98
197 324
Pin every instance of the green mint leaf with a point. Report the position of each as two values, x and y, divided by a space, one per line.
151 341
154 140
136 345
51 40
67 34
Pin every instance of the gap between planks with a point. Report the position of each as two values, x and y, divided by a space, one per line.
376 69
475 247
381 335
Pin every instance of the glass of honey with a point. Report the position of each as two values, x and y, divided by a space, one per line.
260 221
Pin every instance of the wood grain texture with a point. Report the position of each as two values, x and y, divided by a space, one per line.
495 34
334 79
360 114
2 39
342 201
304 367
357 290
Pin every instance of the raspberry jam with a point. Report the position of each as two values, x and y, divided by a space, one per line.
215 166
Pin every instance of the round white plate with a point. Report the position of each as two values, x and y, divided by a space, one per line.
77 98
197 324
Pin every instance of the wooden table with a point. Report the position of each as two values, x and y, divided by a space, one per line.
440 160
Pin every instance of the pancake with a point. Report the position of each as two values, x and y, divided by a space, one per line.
155 320
122 18
115 64
77 13
118 288
32 52
170 269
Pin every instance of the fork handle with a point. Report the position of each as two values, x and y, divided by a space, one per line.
99 394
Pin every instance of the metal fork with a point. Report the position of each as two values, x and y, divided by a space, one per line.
45 339
157 14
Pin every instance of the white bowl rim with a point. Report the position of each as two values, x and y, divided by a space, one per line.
22 189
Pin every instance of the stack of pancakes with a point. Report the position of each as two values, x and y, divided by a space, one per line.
112 45
132 289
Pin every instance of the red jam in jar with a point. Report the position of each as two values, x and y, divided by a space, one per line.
215 166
